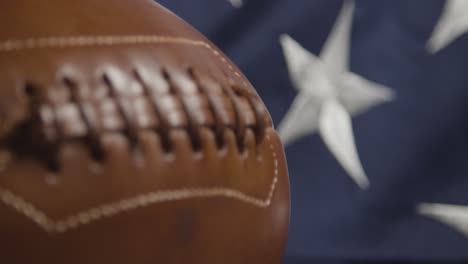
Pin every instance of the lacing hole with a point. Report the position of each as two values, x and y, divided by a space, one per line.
191 72
29 89
167 77
68 82
53 166
166 143
220 141
96 153
195 138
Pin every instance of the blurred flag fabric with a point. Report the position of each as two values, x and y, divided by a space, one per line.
371 100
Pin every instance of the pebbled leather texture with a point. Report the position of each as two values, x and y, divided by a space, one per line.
128 137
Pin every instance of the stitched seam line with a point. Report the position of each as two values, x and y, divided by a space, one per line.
30 211
83 41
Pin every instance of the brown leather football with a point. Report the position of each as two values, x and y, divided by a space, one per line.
127 137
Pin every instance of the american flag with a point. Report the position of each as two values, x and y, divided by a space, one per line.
371 101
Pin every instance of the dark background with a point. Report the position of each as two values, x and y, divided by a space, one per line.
414 149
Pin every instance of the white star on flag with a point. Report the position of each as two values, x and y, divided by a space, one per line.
329 94
453 23
236 3
455 216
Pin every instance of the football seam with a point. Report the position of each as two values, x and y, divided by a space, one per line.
82 218
76 41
